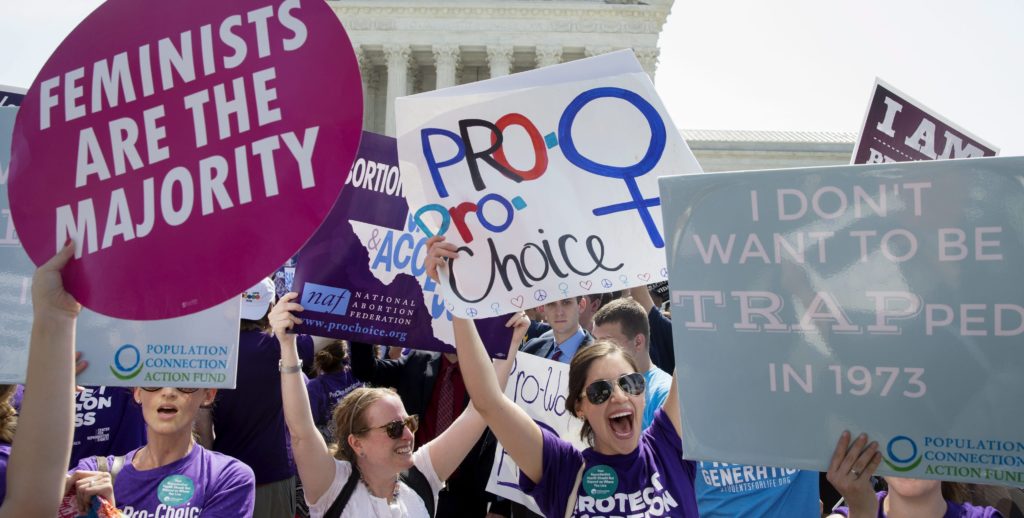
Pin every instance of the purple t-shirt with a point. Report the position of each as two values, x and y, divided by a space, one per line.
325 391
249 421
953 510
107 422
203 483
5 454
652 480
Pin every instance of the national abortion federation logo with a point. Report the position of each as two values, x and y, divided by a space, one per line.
901 454
127 362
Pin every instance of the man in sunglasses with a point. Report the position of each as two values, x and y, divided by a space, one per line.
624 322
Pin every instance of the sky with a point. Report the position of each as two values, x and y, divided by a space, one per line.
794 65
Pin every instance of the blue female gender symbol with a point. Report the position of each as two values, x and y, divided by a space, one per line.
629 174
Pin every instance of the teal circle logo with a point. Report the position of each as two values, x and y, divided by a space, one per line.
175 490
600 482
127 362
901 454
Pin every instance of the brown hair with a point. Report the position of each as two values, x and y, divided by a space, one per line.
955 492
578 370
350 415
262 325
8 416
331 358
630 316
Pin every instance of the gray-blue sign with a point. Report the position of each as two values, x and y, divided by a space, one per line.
883 299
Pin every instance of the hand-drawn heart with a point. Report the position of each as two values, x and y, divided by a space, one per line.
517 301
644 276
586 284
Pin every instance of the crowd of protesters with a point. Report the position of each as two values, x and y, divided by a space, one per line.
319 427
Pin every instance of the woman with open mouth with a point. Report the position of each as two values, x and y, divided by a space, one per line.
624 472
172 473
375 469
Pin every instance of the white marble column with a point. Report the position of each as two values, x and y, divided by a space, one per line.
648 57
366 73
446 61
397 57
499 58
372 100
548 55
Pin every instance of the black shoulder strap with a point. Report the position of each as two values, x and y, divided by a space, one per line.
346 493
418 483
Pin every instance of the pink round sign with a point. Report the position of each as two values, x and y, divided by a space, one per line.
189 148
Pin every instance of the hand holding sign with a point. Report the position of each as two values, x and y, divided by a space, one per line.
438 254
179 134
49 298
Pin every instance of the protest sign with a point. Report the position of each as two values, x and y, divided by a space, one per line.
900 129
198 350
546 180
539 386
189 148
881 298
362 275
11 96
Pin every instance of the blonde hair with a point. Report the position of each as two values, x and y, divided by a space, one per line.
8 416
350 416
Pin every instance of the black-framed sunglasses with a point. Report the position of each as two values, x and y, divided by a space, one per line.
395 428
183 390
599 391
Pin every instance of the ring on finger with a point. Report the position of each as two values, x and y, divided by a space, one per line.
855 473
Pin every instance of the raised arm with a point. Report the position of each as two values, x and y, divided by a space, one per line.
517 433
35 482
642 296
449 449
312 458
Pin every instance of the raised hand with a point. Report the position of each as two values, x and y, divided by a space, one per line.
282 317
850 473
48 294
437 251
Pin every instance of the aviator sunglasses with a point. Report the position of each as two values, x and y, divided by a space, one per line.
599 391
395 428
183 390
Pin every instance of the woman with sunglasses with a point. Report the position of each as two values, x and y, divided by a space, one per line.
171 475
625 472
373 470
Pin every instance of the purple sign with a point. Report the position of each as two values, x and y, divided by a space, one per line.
362 276
899 129
11 96
166 137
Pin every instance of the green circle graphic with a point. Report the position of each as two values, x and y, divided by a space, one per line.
175 490
600 482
